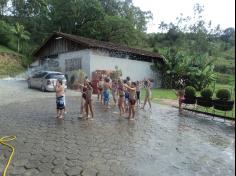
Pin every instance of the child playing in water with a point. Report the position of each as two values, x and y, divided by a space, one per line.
88 102
138 88
106 87
114 90
100 85
126 96
83 89
60 92
148 94
180 95
121 96
132 100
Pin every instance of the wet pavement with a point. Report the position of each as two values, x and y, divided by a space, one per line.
160 142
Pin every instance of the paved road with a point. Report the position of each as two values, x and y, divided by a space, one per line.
158 143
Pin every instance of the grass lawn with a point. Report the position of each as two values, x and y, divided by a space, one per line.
162 94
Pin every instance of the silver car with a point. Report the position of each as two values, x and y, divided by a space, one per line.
46 80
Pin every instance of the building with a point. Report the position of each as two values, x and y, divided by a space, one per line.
65 52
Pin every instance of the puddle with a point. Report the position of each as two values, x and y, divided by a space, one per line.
219 141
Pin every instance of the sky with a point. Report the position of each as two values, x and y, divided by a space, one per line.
220 12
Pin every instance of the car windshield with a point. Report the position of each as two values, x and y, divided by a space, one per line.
55 76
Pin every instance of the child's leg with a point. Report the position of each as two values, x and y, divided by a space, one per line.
81 106
133 111
62 112
119 105
86 109
91 107
145 101
58 113
129 110
149 102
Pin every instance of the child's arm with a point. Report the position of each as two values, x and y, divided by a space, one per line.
130 88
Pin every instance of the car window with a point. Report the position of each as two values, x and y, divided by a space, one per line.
36 75
42 74
55 76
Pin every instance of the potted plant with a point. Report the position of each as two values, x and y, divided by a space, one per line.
190 95
223 101
206 98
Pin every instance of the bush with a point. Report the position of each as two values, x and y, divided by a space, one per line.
223 94
190 91
75 77
207 93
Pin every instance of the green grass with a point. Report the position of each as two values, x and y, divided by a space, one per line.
161 94
4 49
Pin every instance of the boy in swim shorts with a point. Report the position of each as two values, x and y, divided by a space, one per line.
60 101
106 87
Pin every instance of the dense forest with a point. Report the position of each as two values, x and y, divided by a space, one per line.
192 48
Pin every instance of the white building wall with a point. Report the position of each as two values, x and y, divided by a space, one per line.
137 70
84 54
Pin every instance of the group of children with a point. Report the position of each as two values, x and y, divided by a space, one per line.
125 94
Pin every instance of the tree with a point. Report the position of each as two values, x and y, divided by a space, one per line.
3 4
21 34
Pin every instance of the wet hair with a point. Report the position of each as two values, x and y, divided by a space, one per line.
107 79
125 81
90 84
134 83
60 81
145 82
127 78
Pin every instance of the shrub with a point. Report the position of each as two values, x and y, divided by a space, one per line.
223 94
75 77
190 91
207 93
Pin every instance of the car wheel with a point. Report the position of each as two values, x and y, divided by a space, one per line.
29 85
43 89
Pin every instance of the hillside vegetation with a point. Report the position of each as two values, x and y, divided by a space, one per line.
193 49
10 64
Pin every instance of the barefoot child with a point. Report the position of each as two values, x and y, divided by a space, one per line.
60 92
132 100
180 95
148 94
83 89
106 87
121 97
100 85
114 90
88 103
138 88
126 96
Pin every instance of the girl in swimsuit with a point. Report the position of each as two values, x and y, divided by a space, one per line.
88 101
100 85
148 94
132 100
114 90
138 88
83 89
121 98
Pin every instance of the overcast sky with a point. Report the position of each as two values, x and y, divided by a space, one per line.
218 11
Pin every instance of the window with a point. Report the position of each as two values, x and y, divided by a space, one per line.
55 76
73 64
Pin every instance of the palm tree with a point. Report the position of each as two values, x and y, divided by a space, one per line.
21 34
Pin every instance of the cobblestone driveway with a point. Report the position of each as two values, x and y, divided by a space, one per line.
158 143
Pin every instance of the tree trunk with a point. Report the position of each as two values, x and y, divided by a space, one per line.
18 45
